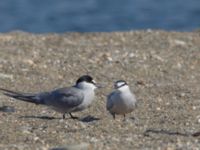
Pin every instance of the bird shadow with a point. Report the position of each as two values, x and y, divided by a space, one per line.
39 117
7 109
88 119
132 118
84 119
167 132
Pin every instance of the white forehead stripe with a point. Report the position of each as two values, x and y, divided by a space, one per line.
120 84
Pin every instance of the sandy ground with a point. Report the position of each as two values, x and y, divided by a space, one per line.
162 69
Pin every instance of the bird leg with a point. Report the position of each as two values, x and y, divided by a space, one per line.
73 117
64 116
113 116
124 117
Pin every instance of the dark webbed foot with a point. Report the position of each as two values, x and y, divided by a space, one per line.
73 117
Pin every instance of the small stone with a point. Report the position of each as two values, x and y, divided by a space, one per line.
160 99
60 77
93 139
167 103
194 107
179 42
107 56
110 59
44 66
36 138
179 65
187 123
25 129
82 146
29 62
4 76
182 94
131 55
158 58
82 125
158 108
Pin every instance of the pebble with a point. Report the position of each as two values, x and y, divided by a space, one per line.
199 120
25 129
82 146
6 76
179 42
158 108
29 62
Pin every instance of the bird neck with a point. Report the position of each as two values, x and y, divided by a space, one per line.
86 86
124 88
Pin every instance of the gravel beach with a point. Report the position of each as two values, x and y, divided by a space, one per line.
162 69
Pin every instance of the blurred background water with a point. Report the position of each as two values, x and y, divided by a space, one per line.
41 16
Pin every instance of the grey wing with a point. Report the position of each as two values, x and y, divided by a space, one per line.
66 98
110 102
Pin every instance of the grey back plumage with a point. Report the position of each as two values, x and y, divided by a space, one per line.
64 98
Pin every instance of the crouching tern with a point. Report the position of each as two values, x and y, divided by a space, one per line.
121 101
63 100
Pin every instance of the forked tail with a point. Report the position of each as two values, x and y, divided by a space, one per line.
28 97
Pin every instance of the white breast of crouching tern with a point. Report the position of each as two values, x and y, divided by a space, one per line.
121 101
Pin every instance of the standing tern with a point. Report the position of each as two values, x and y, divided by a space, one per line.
63 100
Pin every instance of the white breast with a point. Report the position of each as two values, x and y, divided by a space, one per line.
122 101
89 96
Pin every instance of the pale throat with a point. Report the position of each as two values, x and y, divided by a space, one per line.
124 88
86 86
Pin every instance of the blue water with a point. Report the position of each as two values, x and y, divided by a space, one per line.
41 16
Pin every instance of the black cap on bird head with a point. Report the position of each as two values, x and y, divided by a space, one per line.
85 78
119 84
